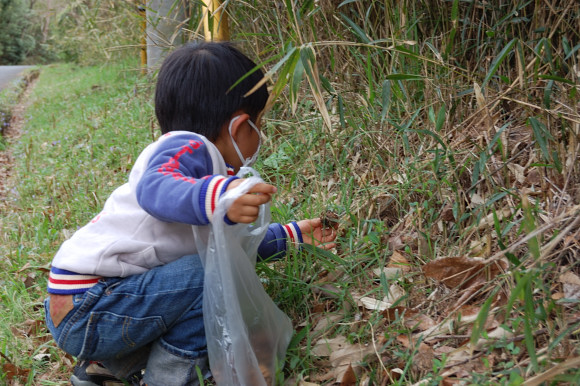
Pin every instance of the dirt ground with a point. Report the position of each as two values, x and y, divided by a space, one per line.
11 133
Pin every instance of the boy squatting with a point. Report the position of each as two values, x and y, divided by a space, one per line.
126 289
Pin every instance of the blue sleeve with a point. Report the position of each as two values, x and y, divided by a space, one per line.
275 243
178 184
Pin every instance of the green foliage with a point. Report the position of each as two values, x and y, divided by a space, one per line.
16 35
95 31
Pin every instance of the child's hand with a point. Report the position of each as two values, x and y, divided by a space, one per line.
314 233
247 207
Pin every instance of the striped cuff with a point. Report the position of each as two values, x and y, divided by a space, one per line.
212 190
65 282
293 233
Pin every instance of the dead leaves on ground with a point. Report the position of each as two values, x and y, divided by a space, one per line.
10 371
436 328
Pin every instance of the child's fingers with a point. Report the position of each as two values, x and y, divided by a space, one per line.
253 199
247 219
327 246
316 222
247 207
263 188
244 214
248 211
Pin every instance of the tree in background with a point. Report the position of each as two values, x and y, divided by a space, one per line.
82 31
16 27
92 31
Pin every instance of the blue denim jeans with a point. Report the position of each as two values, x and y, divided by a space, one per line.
151 321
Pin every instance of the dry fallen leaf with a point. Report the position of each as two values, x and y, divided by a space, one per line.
349 377
496 334
462 272
572 363
327 290
411 318
342 356
11 371
304 383
390 273
396 292
327 321
398 260
489 220
571 285
373 304
325 347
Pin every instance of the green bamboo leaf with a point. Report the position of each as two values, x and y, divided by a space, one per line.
297 75
541 135
517 291
556 78
494 198
309 62
370 78
321 253
411 120
498 61
346 2
440 118
404 77
341 111
529 225
496 137
356 29
432 134
548 93
563 335
386 99
284 76
455 10
431 114
529 319
308 59
453 32
572 51
290 10
479 323
270 73
556 160
326 85
475 174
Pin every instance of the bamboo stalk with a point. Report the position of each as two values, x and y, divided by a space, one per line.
215 21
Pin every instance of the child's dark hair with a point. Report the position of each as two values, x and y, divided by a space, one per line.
194 88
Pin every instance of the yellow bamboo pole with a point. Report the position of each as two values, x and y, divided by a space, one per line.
215 21
143 51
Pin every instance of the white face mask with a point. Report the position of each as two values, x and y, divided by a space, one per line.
251 160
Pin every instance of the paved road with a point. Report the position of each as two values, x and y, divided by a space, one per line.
9 73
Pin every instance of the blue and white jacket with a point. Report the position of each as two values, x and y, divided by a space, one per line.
174 184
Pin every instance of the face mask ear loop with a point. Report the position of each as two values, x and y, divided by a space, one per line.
233 140
255 156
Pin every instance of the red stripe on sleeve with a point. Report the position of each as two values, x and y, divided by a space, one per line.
290 233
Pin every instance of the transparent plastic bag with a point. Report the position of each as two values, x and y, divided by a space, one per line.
247 334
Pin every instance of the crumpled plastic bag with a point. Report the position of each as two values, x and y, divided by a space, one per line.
247 334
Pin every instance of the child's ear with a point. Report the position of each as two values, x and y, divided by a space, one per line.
237 124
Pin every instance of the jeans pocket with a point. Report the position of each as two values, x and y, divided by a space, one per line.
61 331
109 335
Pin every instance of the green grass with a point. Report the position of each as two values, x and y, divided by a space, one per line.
82 131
